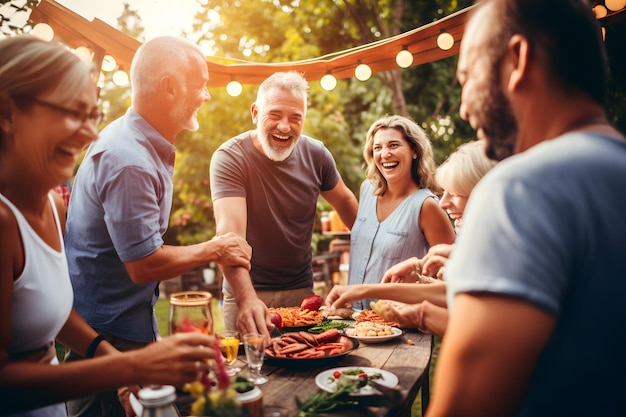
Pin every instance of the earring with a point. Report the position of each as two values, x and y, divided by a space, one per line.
415 157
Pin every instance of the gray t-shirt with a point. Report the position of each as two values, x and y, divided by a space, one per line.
281 200
548 227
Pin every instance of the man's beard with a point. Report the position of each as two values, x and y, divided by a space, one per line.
185 117
274 153
498 122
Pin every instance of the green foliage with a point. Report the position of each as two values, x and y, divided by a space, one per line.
282 31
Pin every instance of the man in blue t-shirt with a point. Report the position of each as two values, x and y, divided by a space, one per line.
265 184
538 268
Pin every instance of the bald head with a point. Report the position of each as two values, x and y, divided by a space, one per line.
159 57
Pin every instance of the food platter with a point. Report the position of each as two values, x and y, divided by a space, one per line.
325 380
298 328
306 362
377 339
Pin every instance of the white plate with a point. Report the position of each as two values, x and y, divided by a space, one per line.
375 339
249 395
326 381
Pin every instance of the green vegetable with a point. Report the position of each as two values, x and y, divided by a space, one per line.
322 401
242 385
355 371
327 325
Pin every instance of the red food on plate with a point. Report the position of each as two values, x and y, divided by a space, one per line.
312 303
277 320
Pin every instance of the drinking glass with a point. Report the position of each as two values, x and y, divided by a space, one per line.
229 345
254 345
190 311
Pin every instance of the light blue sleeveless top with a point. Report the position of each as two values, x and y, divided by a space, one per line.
376 246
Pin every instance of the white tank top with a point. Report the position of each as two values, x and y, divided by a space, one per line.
42 294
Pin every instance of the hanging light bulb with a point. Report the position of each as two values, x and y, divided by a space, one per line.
83 53
120 78
234 88
362 72
615 5
404 58
600 11
603 33
108 63
328 82
43 31
445 41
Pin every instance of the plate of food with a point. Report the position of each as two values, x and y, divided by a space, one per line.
371 315
329 380
338 313
373 332
304 349
294 319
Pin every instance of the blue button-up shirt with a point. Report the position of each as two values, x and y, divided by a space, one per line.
119 210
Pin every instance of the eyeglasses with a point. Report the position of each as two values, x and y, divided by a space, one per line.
94 116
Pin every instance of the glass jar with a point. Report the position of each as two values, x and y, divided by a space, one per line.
325 221
190 311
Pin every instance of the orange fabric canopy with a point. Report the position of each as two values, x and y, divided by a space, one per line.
103 39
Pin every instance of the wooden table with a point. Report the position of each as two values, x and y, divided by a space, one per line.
409 362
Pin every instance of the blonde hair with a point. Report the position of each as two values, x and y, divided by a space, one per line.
423 173
460 173
30 66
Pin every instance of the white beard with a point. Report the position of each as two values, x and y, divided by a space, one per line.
277 154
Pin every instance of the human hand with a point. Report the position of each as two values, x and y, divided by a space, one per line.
435 259
405 271
254 317
406 315
173 360
234 251
123 396
341 295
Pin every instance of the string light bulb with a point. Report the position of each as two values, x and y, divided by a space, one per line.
120 78
43 31
234 88
83 53
108 63
600 11
404 58
445 41
328 82
615 5
362 72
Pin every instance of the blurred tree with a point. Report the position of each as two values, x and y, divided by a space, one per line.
283 31
14 16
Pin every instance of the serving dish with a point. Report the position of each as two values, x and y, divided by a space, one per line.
325 380
306 362
375 339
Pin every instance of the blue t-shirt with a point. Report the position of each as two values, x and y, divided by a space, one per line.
281 199
119 211
377 246
548 226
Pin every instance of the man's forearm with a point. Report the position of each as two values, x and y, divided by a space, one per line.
240 283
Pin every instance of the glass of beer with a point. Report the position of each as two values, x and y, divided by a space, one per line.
229 345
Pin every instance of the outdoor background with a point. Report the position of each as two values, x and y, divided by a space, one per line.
279 31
